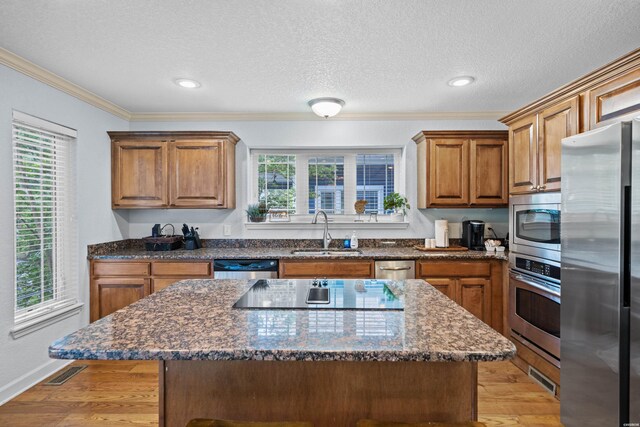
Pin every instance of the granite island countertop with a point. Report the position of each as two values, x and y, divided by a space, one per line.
396 253
194 320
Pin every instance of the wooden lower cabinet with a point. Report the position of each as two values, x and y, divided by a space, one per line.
475 285
110 294
332 269
116 284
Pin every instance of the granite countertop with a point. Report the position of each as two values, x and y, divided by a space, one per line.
194 320
285 253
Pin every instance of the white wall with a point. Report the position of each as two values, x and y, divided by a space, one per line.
315 133
25 360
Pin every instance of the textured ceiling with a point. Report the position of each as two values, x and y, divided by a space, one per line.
273 56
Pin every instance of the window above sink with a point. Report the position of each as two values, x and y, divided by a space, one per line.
301 182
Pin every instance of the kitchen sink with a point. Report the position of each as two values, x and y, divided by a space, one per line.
326 252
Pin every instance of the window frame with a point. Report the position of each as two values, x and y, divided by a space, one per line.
63 217
302 177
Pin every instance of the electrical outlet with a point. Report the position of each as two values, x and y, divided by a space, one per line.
487 233
226 229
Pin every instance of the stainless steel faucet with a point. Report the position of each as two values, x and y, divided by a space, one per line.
326 238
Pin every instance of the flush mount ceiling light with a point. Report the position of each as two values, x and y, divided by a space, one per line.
326 107
461 81
187 83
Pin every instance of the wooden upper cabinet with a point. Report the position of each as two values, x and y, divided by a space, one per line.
536 150
607 95
523 164
197 175
488 177
139 174
462 168
448 172
173 169
556 122
615 99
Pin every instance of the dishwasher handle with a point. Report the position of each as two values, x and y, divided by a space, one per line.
394 268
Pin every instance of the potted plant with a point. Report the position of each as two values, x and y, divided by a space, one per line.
398 204
257 212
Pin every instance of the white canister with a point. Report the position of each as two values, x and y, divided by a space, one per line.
442 233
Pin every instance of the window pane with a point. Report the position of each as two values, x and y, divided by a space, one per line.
277 181
35 198
375 179
326 184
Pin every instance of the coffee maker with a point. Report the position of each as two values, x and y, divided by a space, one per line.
473 235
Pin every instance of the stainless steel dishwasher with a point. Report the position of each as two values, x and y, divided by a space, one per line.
245 269
395 270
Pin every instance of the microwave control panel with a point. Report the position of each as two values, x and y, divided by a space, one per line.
540 268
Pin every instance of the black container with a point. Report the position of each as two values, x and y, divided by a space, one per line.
473 235
162 243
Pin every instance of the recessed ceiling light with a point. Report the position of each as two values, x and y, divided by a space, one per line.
461 81
187 83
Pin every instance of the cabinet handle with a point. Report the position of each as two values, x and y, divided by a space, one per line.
541 187
533 187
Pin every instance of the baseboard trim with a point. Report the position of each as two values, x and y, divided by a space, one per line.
30 379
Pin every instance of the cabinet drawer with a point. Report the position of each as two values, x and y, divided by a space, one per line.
121 269
330 269
189 269
453 269
159 284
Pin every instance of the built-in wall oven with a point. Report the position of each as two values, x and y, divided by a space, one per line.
534 304
534 273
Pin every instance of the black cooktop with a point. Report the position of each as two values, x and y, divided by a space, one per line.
331 294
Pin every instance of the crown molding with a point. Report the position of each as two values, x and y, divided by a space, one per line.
215 117
32 70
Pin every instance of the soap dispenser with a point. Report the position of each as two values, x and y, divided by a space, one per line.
354 240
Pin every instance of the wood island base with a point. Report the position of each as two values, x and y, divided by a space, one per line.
326 393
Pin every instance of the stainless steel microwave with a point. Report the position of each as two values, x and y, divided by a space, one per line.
534 225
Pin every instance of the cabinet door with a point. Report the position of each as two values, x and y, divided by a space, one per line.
112 294
448 166
554 123
446 286
489 170
474 294
196 174
139 174
523 168
615 100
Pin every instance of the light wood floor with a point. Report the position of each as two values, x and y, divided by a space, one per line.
126 394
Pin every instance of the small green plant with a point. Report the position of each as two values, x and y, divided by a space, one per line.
257 212
397 203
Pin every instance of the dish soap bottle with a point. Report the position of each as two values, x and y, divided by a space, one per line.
354 240
347 242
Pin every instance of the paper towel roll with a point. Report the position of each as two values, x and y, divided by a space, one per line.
442 233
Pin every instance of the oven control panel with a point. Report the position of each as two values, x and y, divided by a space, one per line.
537 267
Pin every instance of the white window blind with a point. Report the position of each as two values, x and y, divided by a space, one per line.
44 211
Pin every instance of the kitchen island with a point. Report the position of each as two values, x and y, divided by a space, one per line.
330 367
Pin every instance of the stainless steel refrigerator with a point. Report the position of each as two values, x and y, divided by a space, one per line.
600 309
